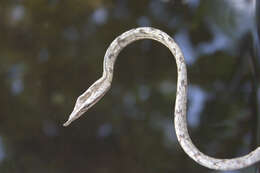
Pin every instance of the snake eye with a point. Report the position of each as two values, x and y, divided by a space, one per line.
81 99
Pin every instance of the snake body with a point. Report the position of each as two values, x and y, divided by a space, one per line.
97 90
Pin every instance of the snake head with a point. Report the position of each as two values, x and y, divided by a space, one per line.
90 97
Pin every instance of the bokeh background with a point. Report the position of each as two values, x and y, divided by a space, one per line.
52 50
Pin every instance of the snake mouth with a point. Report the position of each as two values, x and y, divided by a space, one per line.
88 99
80 108
73 116
82 105
84 102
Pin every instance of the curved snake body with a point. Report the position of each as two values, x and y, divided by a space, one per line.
101 86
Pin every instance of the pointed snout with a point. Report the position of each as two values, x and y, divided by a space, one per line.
73 116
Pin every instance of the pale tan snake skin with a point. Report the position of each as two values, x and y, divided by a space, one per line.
97 90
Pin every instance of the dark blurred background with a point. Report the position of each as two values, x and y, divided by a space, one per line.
52 50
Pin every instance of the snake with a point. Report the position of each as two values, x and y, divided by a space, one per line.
98 89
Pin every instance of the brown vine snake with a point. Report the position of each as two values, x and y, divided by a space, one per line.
97 90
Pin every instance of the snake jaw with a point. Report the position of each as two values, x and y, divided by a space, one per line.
81 106
88 99
73 116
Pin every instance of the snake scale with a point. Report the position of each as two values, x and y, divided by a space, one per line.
97 90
